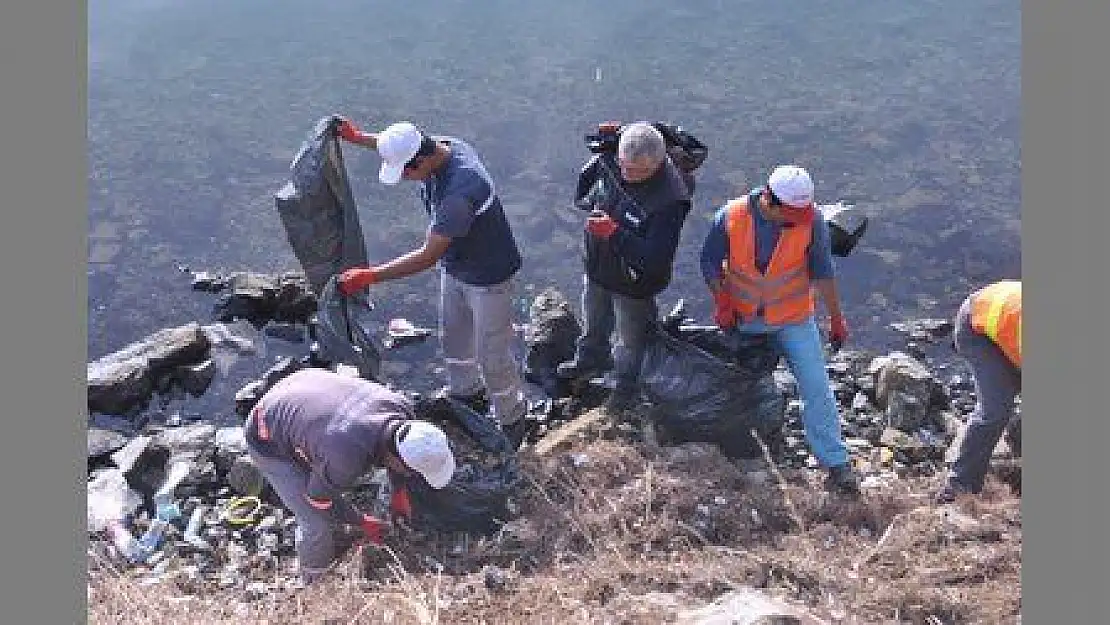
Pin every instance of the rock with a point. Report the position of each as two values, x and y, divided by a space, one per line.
906 413
900 373
748 607
549 340
260 298
188 438
124 380
104 442
212 283
109 498
196 378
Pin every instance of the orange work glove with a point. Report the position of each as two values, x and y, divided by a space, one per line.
601 226
355 279
347 131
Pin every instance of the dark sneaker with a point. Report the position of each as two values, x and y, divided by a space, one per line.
843 480
577 370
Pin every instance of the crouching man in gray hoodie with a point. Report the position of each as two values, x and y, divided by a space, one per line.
315 433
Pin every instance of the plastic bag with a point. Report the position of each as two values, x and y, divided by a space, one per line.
708 387
318 209
476 499
343 331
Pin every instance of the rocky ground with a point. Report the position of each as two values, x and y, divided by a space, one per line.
593 523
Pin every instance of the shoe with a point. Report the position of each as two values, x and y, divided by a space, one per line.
576 369
516 432
843 480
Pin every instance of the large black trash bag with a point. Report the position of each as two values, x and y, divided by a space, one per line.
318 209
705 386
321 222
476 499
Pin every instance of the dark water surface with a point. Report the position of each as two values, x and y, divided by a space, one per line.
908 109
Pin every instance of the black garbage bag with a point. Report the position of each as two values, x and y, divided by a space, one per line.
343 331
705 386
487 473
321 222
318 210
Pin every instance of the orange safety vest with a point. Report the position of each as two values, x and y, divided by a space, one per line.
784 291
996 314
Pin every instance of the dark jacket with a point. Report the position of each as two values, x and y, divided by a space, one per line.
337 427
637 261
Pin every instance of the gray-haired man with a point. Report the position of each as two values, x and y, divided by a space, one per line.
639 202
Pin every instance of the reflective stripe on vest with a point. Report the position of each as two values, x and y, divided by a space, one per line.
996 314
784 291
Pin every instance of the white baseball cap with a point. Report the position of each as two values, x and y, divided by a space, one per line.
424 448
396 145
792 185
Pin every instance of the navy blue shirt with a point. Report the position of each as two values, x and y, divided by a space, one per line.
463 205
715 248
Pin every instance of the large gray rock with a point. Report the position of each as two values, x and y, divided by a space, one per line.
907 391
104 442
259 298
109 498
550 339
122 381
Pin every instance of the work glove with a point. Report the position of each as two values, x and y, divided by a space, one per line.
372 529
400 504
355 279
601 225
347 130
838 332
723 314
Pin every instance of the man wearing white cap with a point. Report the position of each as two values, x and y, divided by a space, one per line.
470 236
315 433
765 257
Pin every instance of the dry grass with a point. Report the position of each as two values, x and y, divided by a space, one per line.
619 533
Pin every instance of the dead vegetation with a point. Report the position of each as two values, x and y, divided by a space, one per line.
611 532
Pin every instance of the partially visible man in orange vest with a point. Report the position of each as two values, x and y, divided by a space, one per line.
764 258
988 337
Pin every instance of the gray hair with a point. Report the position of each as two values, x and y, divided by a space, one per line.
641 140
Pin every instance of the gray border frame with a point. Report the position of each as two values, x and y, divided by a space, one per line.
43 256
1065 147
1065 144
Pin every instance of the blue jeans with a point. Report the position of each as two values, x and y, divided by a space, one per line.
801 344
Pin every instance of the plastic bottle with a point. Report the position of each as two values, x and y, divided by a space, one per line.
152 538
